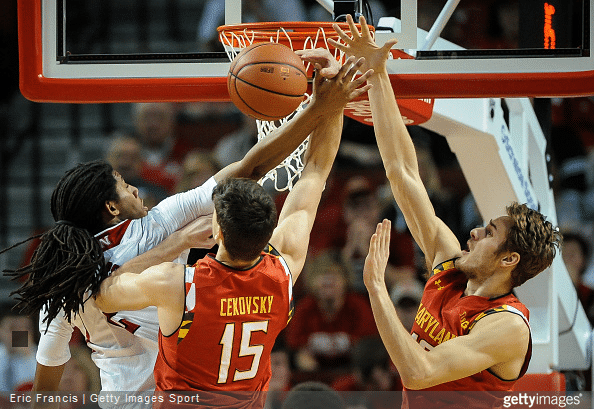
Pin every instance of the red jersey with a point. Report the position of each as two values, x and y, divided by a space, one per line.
445 313
231 321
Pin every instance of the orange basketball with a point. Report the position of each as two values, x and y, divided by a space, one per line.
267 81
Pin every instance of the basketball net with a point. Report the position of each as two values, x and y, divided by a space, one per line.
297 36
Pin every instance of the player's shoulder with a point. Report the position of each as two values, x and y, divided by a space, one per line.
163 269
163 274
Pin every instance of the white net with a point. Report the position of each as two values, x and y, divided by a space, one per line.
288 171
284 176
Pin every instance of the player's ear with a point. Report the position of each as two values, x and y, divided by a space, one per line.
111 208
511 259
218 237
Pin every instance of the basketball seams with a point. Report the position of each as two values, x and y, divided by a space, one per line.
263 89
245 102
249 50
275 80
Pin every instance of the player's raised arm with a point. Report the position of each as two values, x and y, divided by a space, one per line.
275 147
397 150
291 237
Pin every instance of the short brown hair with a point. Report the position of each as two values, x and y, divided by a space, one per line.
247 216
533 238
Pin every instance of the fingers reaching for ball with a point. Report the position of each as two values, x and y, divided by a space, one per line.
362 44
343 87
323 61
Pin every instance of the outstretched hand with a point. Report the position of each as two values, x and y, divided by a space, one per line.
323 61
334 93
362 44
376 261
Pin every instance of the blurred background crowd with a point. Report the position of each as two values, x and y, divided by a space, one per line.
164 148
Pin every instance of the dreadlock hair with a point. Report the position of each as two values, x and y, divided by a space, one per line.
533 238
247 216
68 263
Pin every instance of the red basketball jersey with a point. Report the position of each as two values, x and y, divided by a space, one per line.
445 313
231 321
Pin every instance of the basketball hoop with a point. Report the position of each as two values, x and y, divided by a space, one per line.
297 36
304 35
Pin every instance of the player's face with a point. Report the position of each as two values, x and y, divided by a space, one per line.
129 204
480 258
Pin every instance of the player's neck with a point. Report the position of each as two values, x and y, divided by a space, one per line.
491 287
223 257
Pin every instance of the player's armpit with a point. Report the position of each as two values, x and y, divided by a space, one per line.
498 342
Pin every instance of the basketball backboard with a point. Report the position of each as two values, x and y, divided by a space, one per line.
52 69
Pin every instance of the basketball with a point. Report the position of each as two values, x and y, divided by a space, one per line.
267 81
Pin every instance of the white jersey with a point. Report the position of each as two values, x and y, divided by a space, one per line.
125 344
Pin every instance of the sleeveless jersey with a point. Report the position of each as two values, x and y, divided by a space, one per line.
124 344
231 321
445 313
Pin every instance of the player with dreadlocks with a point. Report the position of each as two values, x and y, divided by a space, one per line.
69 261
101 223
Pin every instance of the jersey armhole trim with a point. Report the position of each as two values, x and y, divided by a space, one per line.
181 321
444 265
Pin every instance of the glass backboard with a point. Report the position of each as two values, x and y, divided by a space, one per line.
543 48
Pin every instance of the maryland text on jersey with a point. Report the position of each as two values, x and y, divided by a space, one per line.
431 326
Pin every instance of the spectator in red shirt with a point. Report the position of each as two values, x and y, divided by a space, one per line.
328 321
154 124
361 211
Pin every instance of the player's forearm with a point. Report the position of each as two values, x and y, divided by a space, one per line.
168 250
319 157
121 293
406 354
393 140
268 152
47 379
324 144
400 161
299 210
